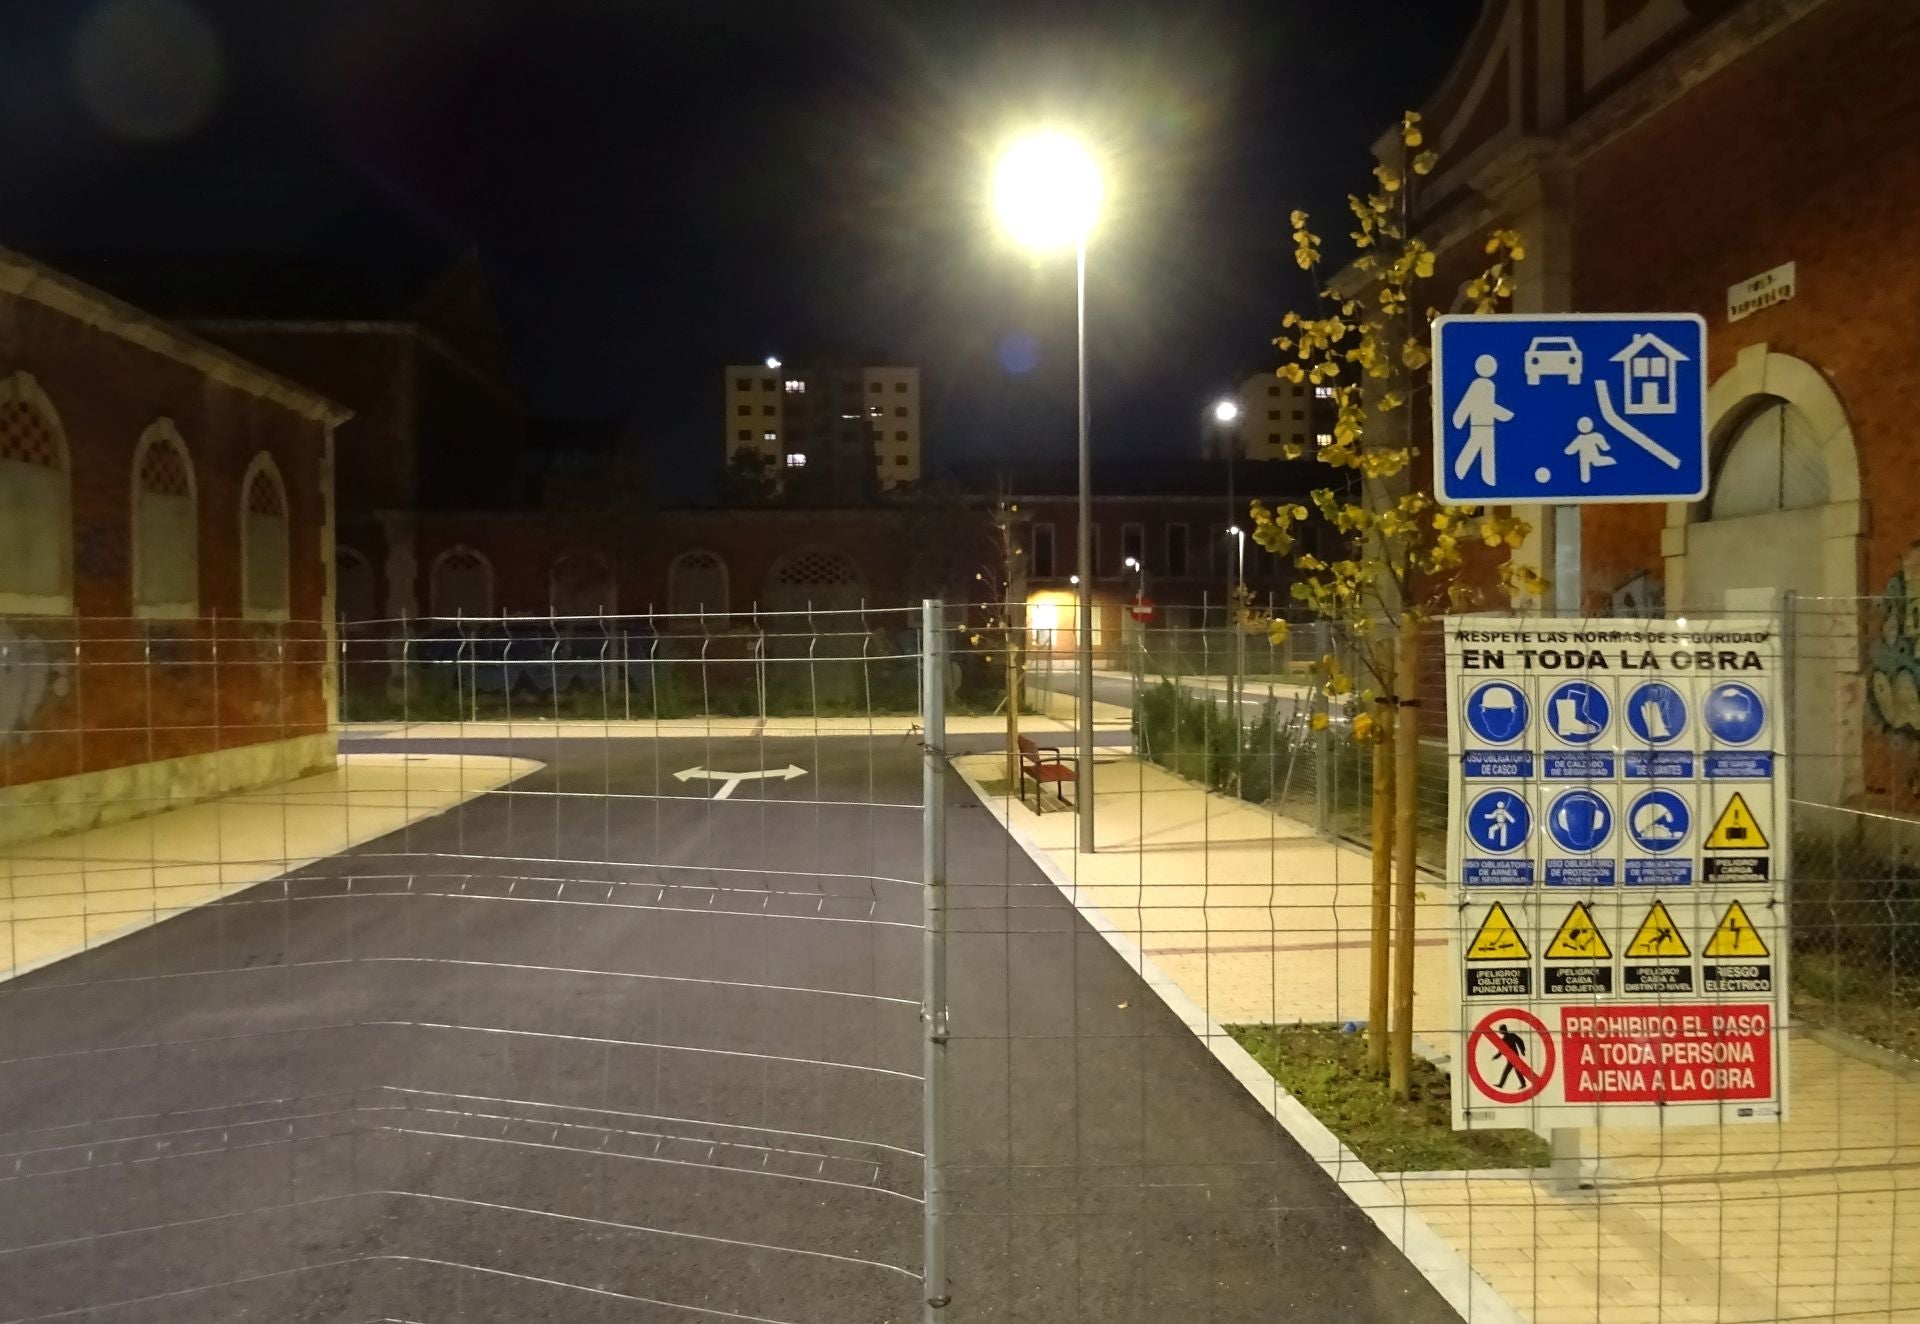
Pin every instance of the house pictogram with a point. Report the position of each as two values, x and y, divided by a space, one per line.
1647 375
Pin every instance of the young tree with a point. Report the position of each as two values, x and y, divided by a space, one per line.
1402 555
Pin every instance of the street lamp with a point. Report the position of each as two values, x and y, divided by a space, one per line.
1046 192
1225 411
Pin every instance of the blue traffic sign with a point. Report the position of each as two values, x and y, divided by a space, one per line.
1580 821
1499 821
1656 713
1658 821
1572 409
1578 712
1733 713
1497 712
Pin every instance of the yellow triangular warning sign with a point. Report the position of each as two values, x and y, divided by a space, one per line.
1735 935
1658 935
1579 937
1736 828
1497 939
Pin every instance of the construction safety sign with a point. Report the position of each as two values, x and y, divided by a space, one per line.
1617 828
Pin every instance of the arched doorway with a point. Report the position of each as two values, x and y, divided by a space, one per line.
1784 515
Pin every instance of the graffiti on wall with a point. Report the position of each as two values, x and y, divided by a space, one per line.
32 672
1894 657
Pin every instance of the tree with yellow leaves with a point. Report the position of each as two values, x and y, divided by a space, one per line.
1401 554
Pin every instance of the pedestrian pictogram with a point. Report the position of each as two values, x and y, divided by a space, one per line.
1658 935
1497 938
1510 1056
1579 938
1734 936
1736 828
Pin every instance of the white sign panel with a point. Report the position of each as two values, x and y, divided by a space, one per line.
1616 847
1762 291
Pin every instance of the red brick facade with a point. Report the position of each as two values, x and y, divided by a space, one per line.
94 686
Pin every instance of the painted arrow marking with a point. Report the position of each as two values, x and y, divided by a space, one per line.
729 780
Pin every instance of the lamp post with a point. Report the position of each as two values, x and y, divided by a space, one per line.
1046 191
1226 413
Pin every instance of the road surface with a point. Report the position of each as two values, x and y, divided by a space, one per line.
564 1055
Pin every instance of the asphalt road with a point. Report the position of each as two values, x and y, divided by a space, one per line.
646 1057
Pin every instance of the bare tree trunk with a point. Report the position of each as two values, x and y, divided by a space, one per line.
1013 710
1405 851
1382 892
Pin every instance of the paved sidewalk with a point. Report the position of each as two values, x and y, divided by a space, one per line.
62 895
1254 918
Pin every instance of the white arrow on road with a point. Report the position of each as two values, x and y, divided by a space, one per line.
729 780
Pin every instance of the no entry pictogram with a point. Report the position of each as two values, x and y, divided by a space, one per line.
1523 1071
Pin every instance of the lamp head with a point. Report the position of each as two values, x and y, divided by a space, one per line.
1046 191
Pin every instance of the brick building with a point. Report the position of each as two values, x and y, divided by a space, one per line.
1751 161
166 546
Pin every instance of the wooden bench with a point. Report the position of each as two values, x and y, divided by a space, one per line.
1045 765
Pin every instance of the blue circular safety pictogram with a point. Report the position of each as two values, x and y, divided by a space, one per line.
1499 821
1580 821
1658 821
1734 713
1497 712
1656 713
1578 712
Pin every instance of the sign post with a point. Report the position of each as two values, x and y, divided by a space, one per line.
1620 827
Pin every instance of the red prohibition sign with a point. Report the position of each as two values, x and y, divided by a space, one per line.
1533 1078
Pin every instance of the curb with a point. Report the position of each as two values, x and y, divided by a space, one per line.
1450 1272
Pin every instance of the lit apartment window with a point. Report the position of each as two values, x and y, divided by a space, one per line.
796 387
1323 439
873 411
796 460
1323 393
769 436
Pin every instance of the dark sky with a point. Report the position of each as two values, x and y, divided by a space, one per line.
658 187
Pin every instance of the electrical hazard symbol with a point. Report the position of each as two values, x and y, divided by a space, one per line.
1735 937
1736 828
1579 938
1657 936
1497 938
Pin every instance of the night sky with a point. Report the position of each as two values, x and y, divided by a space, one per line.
657 188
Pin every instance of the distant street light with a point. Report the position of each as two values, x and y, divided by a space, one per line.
1046 192
773 364
1225 411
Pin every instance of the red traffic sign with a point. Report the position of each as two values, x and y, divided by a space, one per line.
1507 1038
1142 608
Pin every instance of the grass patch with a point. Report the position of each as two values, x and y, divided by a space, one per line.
1326 1069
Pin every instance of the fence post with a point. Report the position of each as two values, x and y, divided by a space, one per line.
933 903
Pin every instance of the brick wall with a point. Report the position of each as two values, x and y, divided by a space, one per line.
1802 151
99 689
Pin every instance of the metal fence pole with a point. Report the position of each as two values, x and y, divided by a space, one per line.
933 902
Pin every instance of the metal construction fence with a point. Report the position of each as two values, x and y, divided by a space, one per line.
667 969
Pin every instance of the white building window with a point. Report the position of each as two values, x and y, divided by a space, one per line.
166 526
263 542
796 460
697 584
461 583
796 387
36 521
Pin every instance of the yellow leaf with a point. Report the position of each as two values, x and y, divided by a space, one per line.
1319 721
1363 727
1276 631
1424 163
1423 264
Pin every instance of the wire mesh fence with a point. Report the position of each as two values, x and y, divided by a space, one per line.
590 982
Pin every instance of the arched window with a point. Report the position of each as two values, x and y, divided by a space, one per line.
580 584
166 526
461 583
697 583
1773 461
36 520
263 541
816 578
356 594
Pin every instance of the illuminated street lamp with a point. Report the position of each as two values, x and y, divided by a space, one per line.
1046 193
1225 411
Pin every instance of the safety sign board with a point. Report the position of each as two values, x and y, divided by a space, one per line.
1617 827
1570 409
1659 1054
